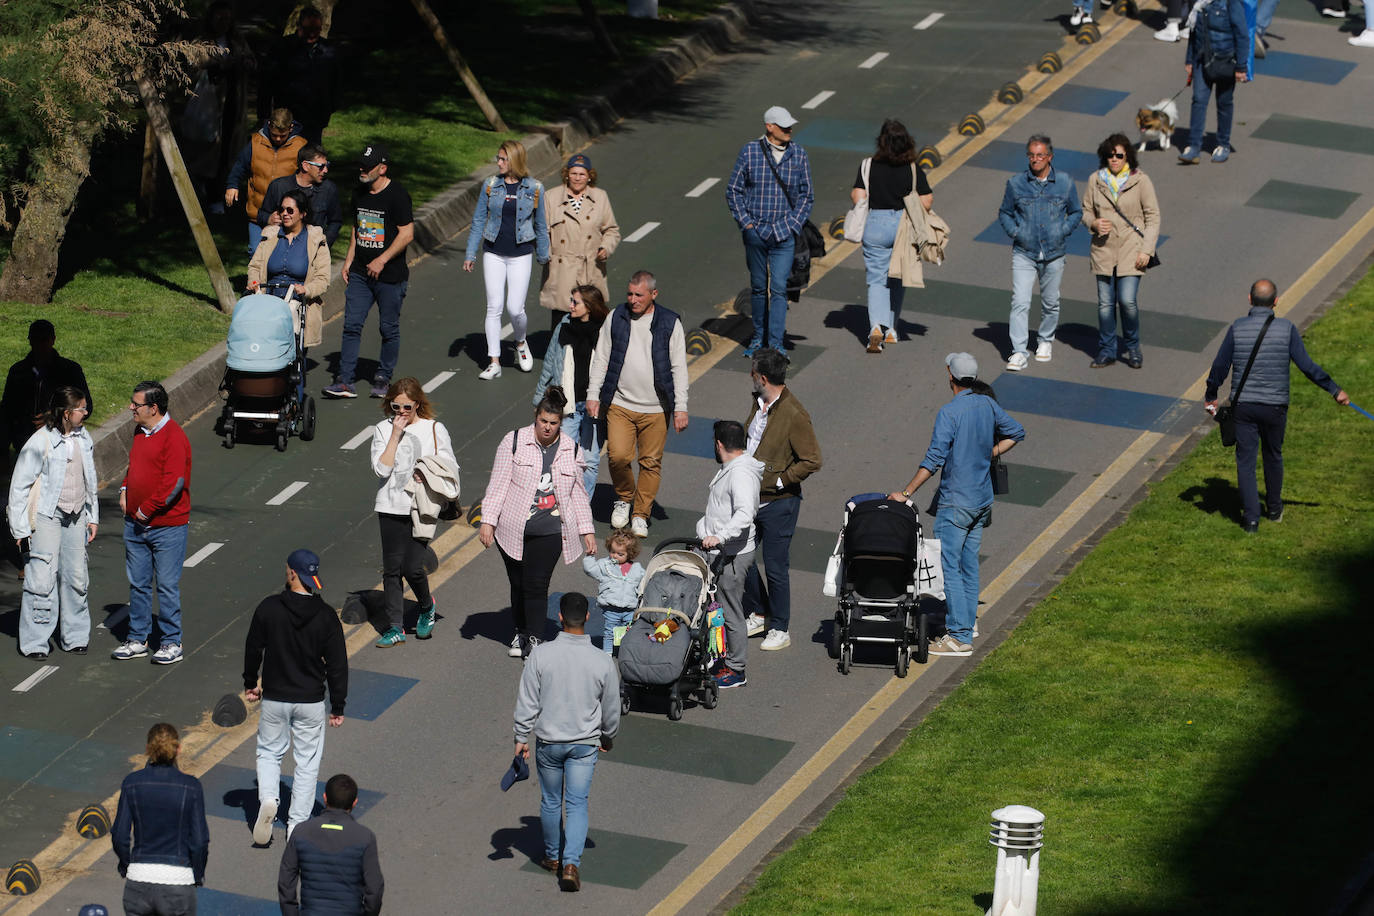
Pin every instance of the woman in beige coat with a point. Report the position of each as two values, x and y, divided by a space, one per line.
1122 213
582 235
294 256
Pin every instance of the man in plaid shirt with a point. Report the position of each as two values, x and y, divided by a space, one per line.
770 209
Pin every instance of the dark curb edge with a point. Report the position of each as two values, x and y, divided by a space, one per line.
195 387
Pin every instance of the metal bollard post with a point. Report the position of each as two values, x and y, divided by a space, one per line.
1018 833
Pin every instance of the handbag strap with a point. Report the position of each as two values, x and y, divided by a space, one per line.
865 169
1124 216
773 166
1251 361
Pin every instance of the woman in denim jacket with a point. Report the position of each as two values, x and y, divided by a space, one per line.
59 520
510 226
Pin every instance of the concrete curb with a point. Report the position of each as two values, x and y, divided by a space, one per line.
195 386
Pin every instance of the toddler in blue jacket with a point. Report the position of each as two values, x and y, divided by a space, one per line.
618 577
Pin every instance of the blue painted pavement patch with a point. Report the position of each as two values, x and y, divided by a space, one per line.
1010 157
1088 100
232 792
1085 403
211 902
371 693
1305 67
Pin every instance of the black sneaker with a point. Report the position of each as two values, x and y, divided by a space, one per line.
1250 527
1274 516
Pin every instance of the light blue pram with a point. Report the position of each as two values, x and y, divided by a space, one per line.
264 378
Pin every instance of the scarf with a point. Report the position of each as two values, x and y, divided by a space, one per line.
581 337
1114 182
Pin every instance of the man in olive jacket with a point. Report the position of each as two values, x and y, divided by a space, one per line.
781 436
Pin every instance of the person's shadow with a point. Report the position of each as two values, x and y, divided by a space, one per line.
527 839
1214 495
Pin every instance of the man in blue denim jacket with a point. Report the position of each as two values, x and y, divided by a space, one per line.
1039 211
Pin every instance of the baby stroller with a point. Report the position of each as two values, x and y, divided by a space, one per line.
877 581
678 585
264 382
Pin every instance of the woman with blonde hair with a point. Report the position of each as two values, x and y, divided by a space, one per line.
582 235
408 435
509 225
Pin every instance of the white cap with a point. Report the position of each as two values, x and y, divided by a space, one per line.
779 116
962 365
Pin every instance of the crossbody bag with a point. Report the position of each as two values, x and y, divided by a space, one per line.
1154 258
1226 414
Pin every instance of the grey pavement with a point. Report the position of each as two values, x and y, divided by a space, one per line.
682 812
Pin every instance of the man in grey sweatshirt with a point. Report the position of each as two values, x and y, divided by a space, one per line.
728 526
570 698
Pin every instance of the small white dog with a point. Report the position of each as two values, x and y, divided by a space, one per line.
1156 124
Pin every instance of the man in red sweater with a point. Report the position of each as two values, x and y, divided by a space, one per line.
156 501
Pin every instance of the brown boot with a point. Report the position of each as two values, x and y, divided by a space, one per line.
549 865
570 880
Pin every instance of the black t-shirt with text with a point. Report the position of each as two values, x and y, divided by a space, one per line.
376 217
888 184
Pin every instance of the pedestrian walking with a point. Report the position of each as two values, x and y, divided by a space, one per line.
312 165
1218 57
568 364
31 383
303 73
509 225
535 509
331 864
884 181
727 528
780 435
618 578
639 378
1256 352
160 838
374 270
403 444
1121 212
297 641
155 498
53 506
269 154
970 431
569 700
770 196
583 235
1040 210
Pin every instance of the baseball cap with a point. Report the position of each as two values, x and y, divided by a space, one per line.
305 564
373 155
93 909
962 365
779 116
580 160
517 771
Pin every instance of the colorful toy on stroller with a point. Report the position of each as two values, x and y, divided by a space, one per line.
876 581
666 647
264 378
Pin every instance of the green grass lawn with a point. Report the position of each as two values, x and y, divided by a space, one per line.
1184 708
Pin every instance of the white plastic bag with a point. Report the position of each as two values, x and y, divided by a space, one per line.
930 575
831 586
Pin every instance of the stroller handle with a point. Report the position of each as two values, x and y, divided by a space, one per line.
673 542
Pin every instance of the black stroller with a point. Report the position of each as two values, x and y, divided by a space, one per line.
678 585
264 378
877 582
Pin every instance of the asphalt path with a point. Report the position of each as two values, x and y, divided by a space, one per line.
682 812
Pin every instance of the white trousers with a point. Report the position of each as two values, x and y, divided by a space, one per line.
507 280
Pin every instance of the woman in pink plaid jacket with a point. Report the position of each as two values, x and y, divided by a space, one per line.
535 509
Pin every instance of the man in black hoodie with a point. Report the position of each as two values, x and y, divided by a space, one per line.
304 644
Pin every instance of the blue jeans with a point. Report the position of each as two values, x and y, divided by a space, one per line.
254 237
1115 292
1264 14
770 263
612 617
884 293
56 580
150 552
1259 432
299 726
1226 109
1025 272
565 778
774 526
358 299
960 533
585 430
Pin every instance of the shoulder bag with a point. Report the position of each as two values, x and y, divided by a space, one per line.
1226 414
1154 258
805 246
857 216
1218 68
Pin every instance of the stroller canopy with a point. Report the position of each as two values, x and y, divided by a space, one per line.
882 527
262 335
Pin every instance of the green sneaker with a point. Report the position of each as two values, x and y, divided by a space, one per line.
424 625
392 637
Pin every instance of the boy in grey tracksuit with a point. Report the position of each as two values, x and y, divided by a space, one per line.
728 526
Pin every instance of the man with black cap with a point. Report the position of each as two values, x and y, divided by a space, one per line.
769 194
304 645
374 270
32 381
969 432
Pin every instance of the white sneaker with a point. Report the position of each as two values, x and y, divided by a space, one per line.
169 654
1168 33
1077 18
514 650
130 649
492 371
262 827
1087 17
620 514
776 639
756 623
1044 350
523 356
639 526
949 646
1183 33
1017 362
1363 40
1332 13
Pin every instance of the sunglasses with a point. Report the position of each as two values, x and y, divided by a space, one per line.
398 407
1116 155
288 210
318 165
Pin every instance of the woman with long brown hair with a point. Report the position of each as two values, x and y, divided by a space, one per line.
568 364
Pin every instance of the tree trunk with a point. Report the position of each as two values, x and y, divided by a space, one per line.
31 269
603 37
469 78
147 185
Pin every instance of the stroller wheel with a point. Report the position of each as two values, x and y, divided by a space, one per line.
710 695
846 657
229 434
922 654
675 707
832 645
624 702
281 440
903 660
308 420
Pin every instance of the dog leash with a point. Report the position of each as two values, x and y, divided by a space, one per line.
1362 410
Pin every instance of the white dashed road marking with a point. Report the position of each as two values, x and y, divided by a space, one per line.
702 188
351 444
196 558
873 61
818 99
289 492
642 231
435 382
928 21
33 680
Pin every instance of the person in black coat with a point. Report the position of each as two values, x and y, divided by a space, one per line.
31 382
334 860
